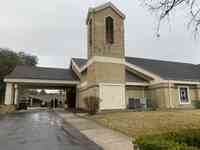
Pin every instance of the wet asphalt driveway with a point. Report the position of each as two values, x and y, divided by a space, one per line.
39 130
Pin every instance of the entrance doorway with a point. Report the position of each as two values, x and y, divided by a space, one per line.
71 97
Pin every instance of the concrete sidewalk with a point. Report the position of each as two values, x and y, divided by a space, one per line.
104 137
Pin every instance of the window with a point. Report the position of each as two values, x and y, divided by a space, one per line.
184 98
109 30
90 32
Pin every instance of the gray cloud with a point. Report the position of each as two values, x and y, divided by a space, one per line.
55 31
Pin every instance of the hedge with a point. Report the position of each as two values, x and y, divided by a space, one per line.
182 140
196 104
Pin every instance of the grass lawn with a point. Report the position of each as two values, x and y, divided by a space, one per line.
152 122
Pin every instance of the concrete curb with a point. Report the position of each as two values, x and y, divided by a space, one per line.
107 138
74 132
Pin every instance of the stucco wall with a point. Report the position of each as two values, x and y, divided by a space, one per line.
164 95
168 96
99 72
135 92
159 96
99 46
83 93
109 72
84 76
175 96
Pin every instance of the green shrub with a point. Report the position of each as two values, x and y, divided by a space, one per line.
92 104
162 144
190 137
183 140
196 104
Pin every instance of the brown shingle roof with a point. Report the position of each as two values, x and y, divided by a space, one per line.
168 70
42 73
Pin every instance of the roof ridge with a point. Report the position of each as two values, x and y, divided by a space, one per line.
79 58
41 67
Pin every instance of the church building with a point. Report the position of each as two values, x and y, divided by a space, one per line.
108 74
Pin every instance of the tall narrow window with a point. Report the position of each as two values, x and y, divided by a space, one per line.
184 98
109 30
90 32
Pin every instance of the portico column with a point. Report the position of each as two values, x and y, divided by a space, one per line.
16 94
31 101
77 98
198 92
9 94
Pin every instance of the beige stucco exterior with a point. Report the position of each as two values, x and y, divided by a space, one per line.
138 92
84 93
192 96
104 74
109 72
106 71
99 47
164 94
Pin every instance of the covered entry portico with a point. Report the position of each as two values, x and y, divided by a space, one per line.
26 77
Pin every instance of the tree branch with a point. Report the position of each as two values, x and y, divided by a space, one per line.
165 7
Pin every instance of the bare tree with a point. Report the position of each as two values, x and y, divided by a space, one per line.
165 7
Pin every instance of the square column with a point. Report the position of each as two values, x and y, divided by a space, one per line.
9 94
198 92
31 101
16 94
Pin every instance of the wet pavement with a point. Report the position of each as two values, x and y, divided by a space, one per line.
40 130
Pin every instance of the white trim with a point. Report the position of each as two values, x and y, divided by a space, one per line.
184 82
188 94
106 83
137 84
75 71
40 81
84 84
109 4
157 79
101 7
176 82
75 65
163 81
103 60
139 69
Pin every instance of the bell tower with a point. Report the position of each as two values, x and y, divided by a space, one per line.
105 28
106 55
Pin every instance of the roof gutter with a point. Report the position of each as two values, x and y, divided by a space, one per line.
39 81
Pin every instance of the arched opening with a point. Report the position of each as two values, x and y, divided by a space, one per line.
109 30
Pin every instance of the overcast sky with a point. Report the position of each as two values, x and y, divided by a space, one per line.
55 31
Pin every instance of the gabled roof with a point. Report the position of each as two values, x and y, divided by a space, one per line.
130 77
80 61
41 73
104 6
165 69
